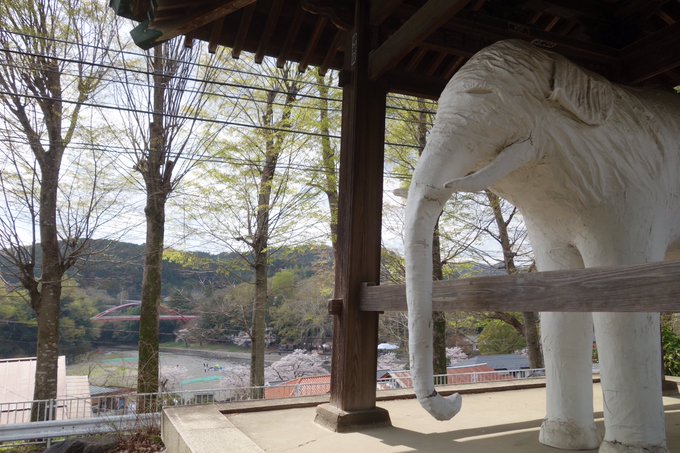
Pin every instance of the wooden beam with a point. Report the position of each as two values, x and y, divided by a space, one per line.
416 29
269 27
454 67
290 37
494 29
381 10
242 32
653 287
215 34
436 62
417 57
313 41
332 51
414 84
652 55
150 33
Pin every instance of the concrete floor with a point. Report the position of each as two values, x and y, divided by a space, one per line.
500 421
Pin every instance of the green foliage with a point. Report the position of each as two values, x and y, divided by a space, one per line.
671 350
77 332
17 325
302 319
282 286
499 338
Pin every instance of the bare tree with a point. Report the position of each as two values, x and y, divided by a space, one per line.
528 325
164 96
253 202
51 53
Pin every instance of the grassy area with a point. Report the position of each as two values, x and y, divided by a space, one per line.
205 347
107 375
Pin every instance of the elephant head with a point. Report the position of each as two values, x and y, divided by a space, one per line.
489 127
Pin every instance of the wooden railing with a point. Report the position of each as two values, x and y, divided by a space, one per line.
652 287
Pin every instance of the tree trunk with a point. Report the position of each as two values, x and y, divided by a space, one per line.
257 350
47 311
157 172
533 339
530 326
148 365
330 183
260 242
438 317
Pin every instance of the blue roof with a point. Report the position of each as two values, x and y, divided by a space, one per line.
498 361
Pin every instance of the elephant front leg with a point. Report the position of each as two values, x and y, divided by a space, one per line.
567 340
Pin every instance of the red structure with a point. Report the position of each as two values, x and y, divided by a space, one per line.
167 314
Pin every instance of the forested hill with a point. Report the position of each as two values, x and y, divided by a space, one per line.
116 268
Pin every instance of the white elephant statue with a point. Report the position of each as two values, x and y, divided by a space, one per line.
595 170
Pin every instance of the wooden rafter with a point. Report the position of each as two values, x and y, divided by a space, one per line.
215 33
653 55
382 9
454 67
332 51
313 42
153 32
646 287
272 19
290 37
436 62
493 29
417 28
417 57
242 32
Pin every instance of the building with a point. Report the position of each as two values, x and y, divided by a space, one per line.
17 379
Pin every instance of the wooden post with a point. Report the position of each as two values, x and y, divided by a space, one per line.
355 333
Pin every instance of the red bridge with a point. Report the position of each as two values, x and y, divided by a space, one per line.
166 314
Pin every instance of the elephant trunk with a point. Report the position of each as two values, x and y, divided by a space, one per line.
423 207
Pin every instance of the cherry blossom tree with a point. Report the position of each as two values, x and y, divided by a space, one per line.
455 355
390 361
295 365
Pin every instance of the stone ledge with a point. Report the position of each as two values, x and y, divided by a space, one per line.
202 429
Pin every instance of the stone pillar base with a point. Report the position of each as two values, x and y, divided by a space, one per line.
669 388
337 420
616 447
568 435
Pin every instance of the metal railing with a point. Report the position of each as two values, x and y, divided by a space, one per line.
106 413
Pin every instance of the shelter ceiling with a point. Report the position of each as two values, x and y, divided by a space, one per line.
420 44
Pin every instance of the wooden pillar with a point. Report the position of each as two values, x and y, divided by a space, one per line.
355 333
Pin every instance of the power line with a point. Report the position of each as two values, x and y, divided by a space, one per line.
122 150
144 55
223 69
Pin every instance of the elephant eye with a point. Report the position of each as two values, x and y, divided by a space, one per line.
478 90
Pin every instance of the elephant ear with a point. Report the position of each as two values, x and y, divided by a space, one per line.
586 96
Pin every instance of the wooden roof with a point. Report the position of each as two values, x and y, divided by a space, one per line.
419 44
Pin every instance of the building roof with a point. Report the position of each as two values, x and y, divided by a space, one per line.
302 386
498 361
17 379
420 44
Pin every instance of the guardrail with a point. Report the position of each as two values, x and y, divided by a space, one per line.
64 428
97 414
